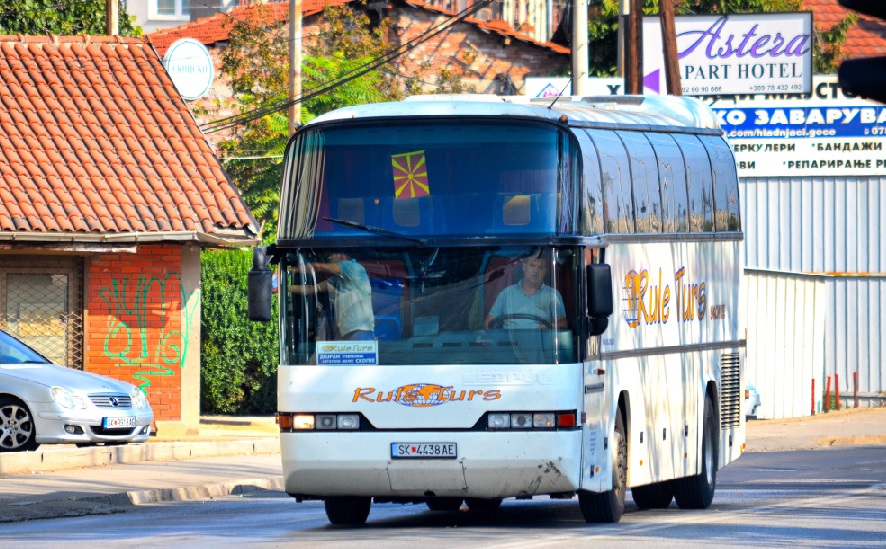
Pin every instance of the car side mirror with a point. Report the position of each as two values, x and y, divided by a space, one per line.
600 301
259 282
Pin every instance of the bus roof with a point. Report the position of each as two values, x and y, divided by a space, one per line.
649 111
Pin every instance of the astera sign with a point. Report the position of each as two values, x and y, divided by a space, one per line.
761 53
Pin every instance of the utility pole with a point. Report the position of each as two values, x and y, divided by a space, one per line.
580 47
634 50
294 64
112 17
669 40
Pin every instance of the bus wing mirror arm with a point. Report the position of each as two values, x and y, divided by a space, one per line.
600 302
259 281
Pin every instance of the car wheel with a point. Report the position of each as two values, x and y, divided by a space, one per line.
609 505
347 510
17 430
653 496
697 491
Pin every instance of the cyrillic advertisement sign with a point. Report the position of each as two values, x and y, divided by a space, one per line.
733 54
827 134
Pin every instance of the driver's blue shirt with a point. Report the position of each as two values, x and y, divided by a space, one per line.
546 304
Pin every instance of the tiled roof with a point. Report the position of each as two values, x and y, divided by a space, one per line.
96 142
865 39
209 30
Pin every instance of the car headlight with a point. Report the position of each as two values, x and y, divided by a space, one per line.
138 399
67 399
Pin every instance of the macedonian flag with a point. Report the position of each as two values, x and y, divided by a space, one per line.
410 175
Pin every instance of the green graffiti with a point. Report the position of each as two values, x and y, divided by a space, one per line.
127 299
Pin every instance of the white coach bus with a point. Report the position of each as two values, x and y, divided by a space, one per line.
484 298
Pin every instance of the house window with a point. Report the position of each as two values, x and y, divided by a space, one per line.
170 9
41 304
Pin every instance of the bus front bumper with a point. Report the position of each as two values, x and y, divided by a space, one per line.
487 465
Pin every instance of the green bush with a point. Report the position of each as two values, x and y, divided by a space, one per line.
238 357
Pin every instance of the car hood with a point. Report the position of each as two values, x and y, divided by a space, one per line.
52 375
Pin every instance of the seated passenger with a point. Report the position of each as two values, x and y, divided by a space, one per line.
529 303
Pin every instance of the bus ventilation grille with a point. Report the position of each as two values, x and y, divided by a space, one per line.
730 390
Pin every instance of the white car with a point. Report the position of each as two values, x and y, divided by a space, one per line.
43 403
751 402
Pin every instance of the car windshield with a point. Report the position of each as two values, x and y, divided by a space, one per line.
492 305
13 351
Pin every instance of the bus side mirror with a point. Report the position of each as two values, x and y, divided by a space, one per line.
258 286
600 302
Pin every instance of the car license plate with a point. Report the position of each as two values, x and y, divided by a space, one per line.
424 450
118 422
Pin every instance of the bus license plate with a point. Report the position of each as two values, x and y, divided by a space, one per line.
118 422
424 450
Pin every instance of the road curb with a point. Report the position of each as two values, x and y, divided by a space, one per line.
70 457
108 504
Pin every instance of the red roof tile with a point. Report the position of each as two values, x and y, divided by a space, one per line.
209 30
866 38
95 138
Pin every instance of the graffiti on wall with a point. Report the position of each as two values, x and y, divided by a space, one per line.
141 331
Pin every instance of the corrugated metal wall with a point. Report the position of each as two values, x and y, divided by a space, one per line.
786 324
832 227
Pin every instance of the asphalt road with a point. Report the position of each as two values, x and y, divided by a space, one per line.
822 498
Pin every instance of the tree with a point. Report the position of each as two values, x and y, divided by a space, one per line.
62 17
334 74
603 28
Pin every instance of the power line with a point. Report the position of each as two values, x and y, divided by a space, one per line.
255 114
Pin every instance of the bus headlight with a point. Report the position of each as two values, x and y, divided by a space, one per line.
348 421
532 420
301 422
320 422
499 421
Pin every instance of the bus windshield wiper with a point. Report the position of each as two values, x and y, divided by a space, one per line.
376 230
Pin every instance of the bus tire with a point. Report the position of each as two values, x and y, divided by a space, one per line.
347 510
697 492
653 496
483 505
610 505
443 504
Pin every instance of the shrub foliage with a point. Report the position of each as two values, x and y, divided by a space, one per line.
238 372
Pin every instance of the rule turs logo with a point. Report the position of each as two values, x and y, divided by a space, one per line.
422 395
647 298
631 297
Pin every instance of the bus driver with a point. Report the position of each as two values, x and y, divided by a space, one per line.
350 293
529 303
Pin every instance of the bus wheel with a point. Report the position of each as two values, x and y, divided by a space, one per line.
697 492
443 504
653 496
351 510
483 505
609 506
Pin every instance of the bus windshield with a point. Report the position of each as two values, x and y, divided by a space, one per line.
433 178
494 305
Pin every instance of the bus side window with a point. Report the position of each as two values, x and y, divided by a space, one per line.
644 182
592 199
727 216
700 183
672 181
619 208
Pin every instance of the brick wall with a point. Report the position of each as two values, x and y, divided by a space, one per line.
481 59
134 322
